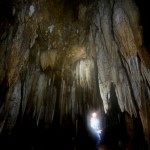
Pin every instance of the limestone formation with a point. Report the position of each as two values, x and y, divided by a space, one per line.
61 57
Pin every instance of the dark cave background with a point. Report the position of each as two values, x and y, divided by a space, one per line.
144 21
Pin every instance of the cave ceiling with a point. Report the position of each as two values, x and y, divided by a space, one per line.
63 57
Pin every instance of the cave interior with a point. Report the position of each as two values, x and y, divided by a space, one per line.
62 61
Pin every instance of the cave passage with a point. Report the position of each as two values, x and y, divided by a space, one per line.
74 75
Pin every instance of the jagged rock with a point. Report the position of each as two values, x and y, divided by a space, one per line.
60 58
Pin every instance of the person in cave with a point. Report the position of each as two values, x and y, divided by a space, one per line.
95 126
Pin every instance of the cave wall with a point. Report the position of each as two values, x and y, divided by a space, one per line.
60 58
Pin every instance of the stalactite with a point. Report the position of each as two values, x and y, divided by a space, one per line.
58 62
